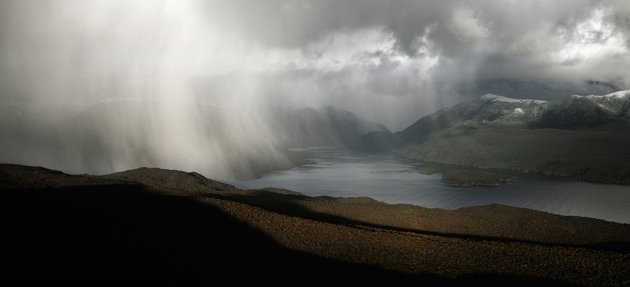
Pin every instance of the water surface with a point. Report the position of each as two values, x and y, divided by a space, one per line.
392 179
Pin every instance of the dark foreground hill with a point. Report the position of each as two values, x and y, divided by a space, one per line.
152 226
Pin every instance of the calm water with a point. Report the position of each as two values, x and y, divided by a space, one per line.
392 179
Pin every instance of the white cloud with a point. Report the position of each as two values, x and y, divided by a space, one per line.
466 24
592 39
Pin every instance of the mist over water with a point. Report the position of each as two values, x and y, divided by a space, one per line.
107 85
112 85
104 86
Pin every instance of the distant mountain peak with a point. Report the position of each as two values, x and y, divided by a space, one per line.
497 98
617 95
539 89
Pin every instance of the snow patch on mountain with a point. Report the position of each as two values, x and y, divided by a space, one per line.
615 103
615 95
497 98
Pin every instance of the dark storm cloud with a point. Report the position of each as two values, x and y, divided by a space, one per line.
471 40
484 38
296 23
147 71
435 53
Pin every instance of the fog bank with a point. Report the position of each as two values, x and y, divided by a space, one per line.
106 85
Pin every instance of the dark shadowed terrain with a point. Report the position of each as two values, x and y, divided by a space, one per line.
329 98
150 226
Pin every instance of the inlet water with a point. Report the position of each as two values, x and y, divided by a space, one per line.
393 179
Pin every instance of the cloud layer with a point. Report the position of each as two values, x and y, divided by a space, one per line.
422 52
376 58
105 85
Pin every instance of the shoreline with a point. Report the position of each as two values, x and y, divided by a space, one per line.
536 151
179 215
420 189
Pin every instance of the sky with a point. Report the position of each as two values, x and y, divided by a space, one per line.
390 62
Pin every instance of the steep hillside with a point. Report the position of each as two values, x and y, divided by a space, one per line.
580 112
584 155
486 109
585 138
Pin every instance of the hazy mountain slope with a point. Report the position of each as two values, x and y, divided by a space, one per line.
223 143
327 126
242 145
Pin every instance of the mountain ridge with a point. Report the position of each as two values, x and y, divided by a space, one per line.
582 137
